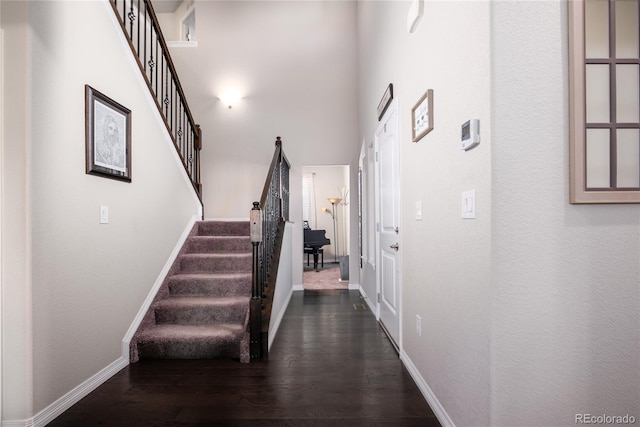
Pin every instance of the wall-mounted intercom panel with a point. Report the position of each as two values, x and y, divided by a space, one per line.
470 134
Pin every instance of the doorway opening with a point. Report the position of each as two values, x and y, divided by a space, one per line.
325 219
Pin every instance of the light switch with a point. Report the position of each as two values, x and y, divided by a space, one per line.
104 214
469 204
419 210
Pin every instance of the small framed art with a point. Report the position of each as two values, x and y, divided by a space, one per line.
108 136
422 116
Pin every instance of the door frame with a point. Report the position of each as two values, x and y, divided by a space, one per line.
393 108
1 208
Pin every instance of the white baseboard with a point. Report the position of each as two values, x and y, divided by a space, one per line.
276 324
156 286
426 391
354 286
52 411
368 300
298 287
227 219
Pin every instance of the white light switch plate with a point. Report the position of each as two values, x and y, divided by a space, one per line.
104 214
469 204
419 211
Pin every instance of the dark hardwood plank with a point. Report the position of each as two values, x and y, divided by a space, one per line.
330 365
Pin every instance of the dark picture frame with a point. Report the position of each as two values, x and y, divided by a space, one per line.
107 136
422 116
385 101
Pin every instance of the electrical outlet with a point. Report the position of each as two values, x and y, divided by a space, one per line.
418 325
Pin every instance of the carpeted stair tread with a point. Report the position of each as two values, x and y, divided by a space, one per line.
212 284
209 263
189 310
202 301
210 276
223 228
191 342
187 332
218 244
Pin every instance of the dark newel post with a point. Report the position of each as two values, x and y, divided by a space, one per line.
255 325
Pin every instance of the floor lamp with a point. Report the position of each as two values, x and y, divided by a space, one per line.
334 201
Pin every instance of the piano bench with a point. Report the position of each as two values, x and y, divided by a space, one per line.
309 251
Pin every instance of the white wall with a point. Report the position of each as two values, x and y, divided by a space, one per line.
445 259
295 64
284 284
566 278
84 282
16 298
531 311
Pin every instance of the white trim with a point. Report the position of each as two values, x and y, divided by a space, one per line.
182 44
298 287
276 325
126 341
354 286
371 304
426 391
1 200
150 100
54 410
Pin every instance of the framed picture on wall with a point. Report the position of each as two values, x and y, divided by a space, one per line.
422 116
107 136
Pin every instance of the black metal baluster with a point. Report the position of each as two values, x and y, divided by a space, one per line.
132 17
138 27
144 58
180 127
172 115
188 147
152 63
158 64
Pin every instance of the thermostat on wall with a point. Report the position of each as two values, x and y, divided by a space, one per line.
470 135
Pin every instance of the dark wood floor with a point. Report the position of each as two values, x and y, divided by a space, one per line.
330 365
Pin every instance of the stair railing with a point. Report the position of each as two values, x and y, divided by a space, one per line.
267 219
142 30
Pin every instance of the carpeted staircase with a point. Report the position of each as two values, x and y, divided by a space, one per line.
202 309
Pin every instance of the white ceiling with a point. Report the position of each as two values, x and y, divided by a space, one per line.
165 6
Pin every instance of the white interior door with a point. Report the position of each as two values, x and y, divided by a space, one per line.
388 222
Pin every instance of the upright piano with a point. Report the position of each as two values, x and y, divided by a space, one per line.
313 241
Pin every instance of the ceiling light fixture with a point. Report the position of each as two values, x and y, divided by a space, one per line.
230 97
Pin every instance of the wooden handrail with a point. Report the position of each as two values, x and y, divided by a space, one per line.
142 31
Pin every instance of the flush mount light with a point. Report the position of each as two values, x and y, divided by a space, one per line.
230 97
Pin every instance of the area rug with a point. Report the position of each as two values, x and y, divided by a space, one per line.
326 278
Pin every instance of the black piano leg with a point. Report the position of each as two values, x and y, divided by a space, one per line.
315 260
